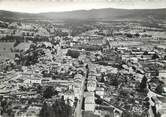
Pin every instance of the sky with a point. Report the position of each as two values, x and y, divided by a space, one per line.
38 6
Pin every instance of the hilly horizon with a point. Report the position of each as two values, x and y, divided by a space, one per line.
106 14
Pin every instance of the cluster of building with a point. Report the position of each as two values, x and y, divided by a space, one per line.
93 73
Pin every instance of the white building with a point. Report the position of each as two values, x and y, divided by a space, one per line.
162 73
32 81
68 97
78 84
134 59
100 92
90 103
91 86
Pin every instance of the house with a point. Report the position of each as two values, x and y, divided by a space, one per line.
90 103
78 79
117 113
76 91
69 97
78 82
122 48
162 73
33 81
137 53
27 95
134 59
100 92
91 86
33 111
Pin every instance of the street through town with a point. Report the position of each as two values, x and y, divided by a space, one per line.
78 110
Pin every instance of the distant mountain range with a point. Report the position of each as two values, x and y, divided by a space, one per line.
107 14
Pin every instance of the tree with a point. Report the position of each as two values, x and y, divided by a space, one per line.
16 43
1 98
115 82
165 57
107 115
143 84
98 101
6 108
102 77
159 89
39 88
145 53
44 112
155 56
126 114
61 109
129 35
4 104
49 92
137 34
58 109
73 54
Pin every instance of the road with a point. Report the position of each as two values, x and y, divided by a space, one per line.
78 110
152 94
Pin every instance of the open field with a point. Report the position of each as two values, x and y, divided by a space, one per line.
5 50
125 43
142 43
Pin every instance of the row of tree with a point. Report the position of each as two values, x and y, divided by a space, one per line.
5 108
57 109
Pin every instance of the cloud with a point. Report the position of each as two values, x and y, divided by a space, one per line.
35 6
